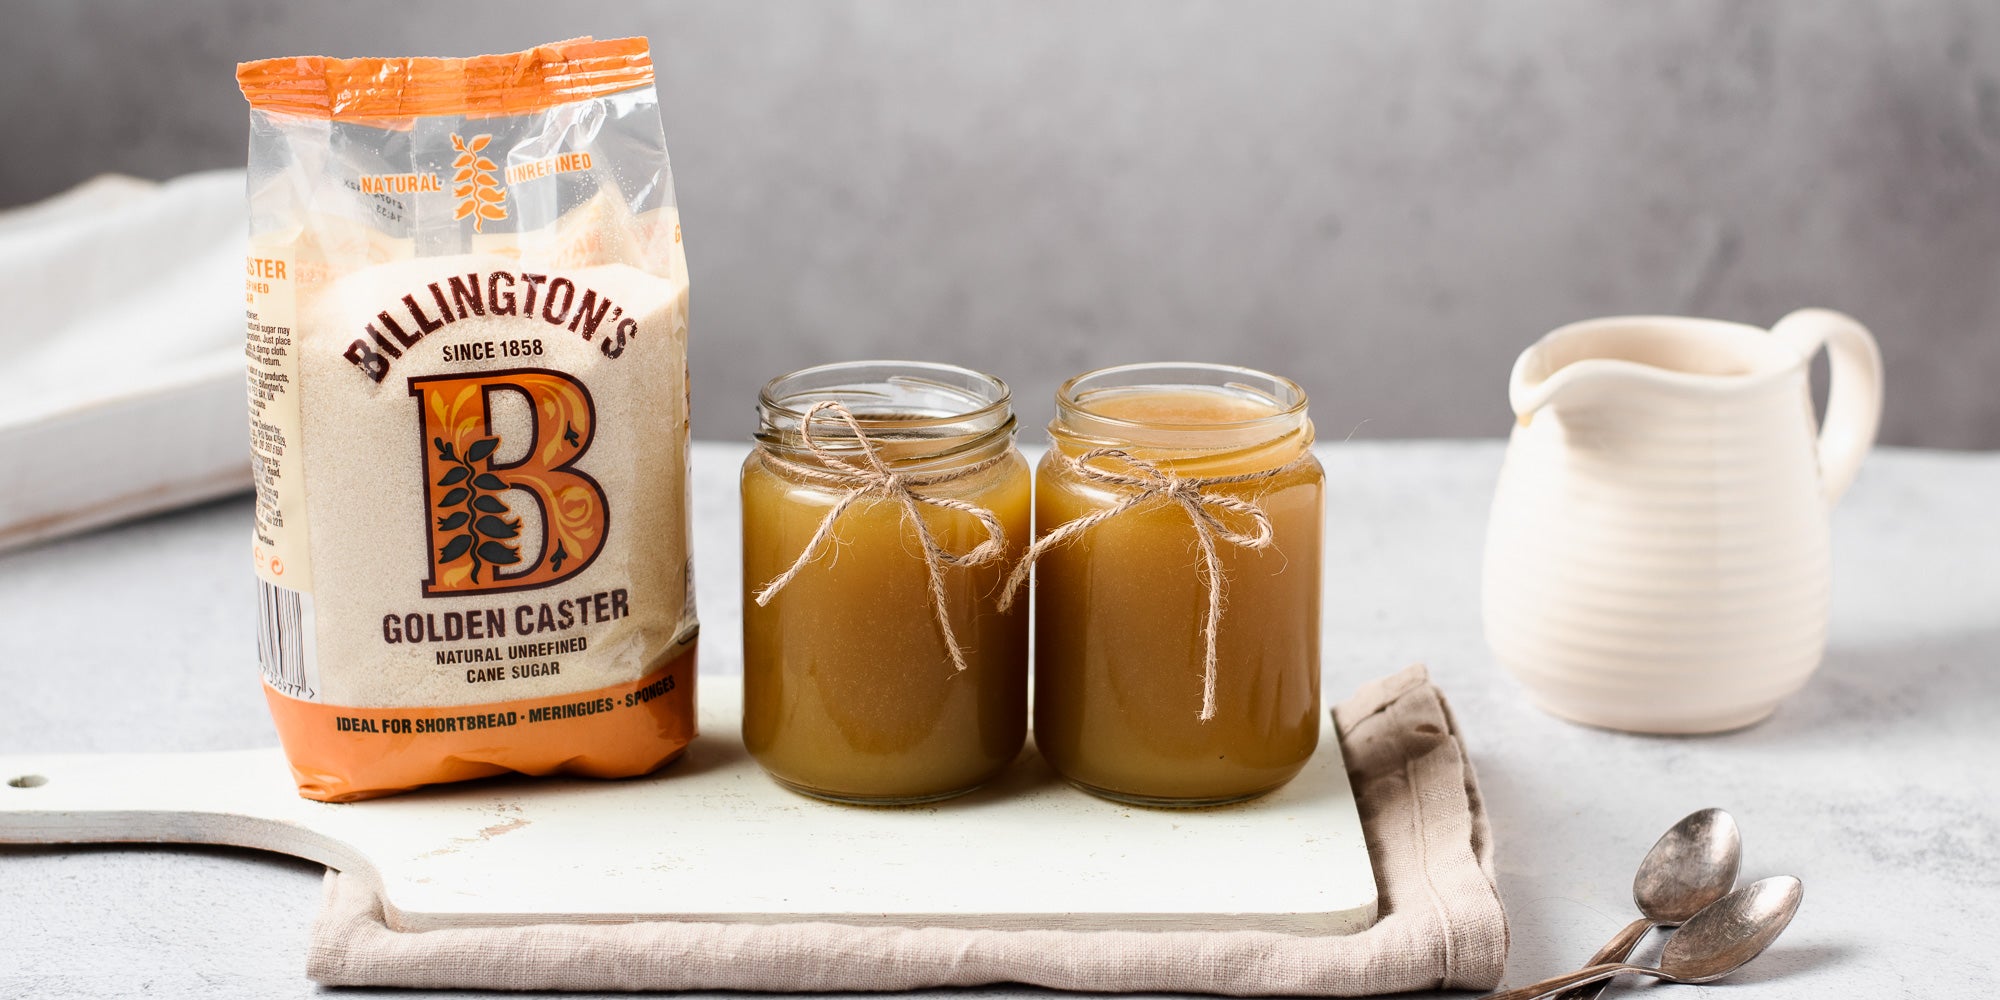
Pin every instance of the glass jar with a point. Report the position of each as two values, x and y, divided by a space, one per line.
1125 669
851 689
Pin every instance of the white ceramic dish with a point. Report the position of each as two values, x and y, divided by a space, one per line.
121 393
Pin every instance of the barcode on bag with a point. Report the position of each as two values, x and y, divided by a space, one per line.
284 640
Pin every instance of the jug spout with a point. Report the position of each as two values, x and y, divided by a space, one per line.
1544 379
1603 361
1528 387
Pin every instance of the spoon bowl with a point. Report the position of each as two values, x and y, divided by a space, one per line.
1694 864
1730 932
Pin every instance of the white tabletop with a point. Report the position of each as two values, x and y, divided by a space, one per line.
1879 784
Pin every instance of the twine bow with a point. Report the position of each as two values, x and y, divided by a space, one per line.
1140 481
874 477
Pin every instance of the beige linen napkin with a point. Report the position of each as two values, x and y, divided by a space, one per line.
1441 922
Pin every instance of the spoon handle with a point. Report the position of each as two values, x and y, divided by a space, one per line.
1581 977
1618 949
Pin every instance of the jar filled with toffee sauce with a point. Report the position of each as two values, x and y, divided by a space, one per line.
882 508
1177 632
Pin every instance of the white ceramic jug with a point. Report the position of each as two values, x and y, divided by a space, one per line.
1657 559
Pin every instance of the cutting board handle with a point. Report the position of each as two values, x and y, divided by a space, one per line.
241 798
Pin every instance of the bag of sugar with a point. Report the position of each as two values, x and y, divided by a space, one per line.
466 298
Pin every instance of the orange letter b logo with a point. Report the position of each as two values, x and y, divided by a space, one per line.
479 539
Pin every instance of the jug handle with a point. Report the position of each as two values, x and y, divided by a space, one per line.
1854 396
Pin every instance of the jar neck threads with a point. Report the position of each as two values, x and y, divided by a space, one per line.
916 415
1191 417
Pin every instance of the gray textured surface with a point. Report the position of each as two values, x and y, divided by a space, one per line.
1876 784
1386 200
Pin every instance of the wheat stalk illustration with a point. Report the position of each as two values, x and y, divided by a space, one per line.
484 514
474 184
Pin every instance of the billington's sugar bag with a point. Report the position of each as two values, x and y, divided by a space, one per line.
467 343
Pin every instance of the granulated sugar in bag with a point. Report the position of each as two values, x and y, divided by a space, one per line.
467 344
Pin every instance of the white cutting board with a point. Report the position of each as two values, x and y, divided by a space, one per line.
712 838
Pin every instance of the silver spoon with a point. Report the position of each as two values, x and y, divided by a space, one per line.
1693 864
1720 939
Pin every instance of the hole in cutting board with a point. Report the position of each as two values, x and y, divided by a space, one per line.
28 781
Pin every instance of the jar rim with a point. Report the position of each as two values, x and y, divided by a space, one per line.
996 399
913 413
1287 396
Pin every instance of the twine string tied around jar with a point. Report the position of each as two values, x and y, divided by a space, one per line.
873 476
1139 481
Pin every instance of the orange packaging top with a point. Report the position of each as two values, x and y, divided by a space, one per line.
393 92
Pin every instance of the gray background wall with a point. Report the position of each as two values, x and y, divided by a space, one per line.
1384 199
